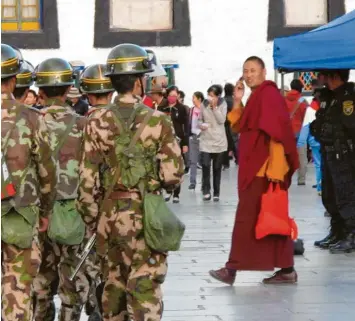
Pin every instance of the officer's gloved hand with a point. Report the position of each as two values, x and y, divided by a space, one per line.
313 128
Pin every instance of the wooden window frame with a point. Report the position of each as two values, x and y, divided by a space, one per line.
105 37
7 6
277 21
45 38
38 9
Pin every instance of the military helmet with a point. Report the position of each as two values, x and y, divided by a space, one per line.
25 77
157 68
54 72
128 59
93 81
10 63
18 52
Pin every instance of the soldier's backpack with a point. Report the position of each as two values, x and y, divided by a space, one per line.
17 224
163 231
65 225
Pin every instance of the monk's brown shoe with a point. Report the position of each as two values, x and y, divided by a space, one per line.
282 278
223 275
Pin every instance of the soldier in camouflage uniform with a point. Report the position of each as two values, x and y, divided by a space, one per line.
99 91
24 80
54 77
27 157
133 273
98 88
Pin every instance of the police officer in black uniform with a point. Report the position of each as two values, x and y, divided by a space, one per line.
334 128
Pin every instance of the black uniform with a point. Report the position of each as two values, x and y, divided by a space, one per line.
180 118
334 127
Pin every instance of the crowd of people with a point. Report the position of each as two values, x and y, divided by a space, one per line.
83 164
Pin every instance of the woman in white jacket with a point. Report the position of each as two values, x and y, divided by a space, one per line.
213 140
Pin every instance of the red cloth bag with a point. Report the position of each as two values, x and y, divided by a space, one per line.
273 217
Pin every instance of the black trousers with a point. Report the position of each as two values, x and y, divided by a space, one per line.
177 190
338 192
216 159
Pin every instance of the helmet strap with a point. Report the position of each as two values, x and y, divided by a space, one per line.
142 92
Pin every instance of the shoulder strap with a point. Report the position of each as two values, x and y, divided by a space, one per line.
134 140
296 108
141 127
64 136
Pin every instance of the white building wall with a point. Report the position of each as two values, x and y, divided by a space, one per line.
223 32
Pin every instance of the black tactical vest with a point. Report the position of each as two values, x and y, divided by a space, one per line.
333 132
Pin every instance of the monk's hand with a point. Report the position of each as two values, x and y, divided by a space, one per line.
274 180
239 90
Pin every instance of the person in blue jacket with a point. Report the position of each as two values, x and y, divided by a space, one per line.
306 137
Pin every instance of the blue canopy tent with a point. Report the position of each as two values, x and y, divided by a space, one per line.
331 46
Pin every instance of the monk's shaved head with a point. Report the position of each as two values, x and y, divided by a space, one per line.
256 59
254 72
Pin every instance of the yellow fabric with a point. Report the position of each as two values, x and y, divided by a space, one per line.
234 117
276 166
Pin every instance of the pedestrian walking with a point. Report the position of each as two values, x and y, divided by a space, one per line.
194 130
267 153
213 141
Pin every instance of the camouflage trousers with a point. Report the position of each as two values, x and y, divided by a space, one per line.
56 267
18 269
132 273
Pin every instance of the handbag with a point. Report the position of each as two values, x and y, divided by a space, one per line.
274 217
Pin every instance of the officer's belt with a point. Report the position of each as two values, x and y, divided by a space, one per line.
340 149
122 195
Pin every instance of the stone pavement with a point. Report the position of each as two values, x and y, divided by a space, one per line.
326 287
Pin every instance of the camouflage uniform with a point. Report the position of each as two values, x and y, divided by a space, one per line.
29 161
132 272
59 259
95 84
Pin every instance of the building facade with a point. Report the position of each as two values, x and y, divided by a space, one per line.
206 40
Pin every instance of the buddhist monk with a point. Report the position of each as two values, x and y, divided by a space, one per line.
268 153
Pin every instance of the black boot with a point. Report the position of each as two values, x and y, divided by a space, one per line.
326 244
326 239
347 245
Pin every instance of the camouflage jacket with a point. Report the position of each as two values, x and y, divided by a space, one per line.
99 140
58 116
28 156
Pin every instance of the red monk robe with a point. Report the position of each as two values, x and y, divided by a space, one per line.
267 150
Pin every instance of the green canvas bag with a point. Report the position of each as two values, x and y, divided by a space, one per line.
65 224
163 231
17 225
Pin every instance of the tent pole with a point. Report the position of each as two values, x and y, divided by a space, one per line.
282 81
276 78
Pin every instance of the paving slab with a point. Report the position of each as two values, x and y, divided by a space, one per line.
326 287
